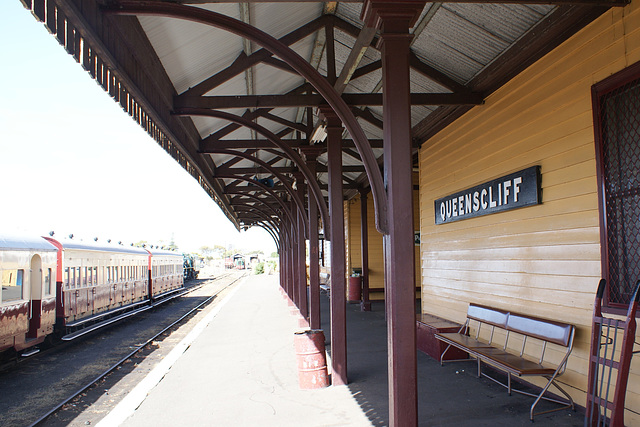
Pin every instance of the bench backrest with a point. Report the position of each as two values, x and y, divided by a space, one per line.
489 315
546 330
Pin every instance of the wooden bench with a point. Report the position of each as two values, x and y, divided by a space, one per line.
528 362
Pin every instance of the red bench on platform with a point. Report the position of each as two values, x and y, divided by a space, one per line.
427 326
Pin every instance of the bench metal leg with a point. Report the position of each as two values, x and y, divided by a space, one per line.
568 404
551 380
443 353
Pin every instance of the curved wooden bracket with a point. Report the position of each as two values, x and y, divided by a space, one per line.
277 142
288 55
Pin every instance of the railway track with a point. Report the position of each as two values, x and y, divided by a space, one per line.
77 377
57 344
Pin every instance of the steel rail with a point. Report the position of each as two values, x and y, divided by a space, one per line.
43 418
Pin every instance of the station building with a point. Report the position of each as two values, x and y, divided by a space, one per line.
521 203
576 115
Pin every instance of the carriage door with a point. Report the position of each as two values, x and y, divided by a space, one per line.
35 284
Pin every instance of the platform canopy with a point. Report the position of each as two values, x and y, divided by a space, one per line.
231 90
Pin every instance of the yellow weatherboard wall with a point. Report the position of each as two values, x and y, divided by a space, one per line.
376 251
542 260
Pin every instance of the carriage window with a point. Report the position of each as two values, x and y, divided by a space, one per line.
12 285
66 277
47 281
616 103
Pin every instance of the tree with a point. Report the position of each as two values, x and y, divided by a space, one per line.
172 244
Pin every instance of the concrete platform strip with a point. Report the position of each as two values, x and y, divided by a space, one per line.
134 399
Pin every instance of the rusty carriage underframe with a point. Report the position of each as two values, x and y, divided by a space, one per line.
108 40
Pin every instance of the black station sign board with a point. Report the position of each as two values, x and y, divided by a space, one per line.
512 191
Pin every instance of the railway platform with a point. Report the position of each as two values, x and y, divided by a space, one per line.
238 368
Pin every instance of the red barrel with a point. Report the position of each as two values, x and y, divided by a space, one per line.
355 285
312 363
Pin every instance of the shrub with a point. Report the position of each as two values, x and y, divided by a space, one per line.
259 268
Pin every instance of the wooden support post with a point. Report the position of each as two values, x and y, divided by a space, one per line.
365 305
394 20
314 251
301 281
295 262
290 264
338 281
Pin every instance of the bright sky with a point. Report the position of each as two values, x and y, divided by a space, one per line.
72 161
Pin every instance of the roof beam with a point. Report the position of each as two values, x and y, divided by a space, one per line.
609 3
243 62
355 56
313 100
277 119
250 115
256 170
239 144
209 146
283 169
366 69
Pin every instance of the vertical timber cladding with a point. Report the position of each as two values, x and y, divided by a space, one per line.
516 190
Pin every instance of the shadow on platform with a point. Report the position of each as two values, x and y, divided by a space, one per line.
449 395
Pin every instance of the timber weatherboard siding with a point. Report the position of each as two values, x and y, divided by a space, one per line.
376 252
543 260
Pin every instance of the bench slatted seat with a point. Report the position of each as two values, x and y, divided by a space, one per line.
501 357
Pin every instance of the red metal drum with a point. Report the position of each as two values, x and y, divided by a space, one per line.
355 285
312 363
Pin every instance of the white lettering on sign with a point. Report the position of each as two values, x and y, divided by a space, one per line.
512 191
507 186
516 188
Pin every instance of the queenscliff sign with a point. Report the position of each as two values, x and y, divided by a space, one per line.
512 191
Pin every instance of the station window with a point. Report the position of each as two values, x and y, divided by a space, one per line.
616 105
12 285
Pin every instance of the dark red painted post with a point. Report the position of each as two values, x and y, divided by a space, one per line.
301 281
338 281
295 262
290 263
284 266
314 251
394 20
364 250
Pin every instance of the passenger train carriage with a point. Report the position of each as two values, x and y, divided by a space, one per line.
63 286
28 298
